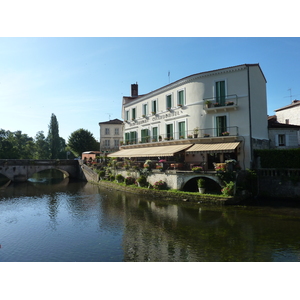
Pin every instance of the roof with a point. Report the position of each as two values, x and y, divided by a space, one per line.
150 151
273 123
293 104
214 147
206 73
114 121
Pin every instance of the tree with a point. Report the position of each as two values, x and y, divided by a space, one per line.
82 140
42 146
53 138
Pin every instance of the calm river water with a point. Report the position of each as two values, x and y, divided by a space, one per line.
61 220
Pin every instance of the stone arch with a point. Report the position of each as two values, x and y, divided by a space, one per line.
32 171
213 183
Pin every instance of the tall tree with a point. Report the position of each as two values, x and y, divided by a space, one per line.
53 138
82 140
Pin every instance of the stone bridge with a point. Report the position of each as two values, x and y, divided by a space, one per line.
20 170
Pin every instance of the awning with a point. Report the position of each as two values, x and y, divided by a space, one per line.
217 147
150 151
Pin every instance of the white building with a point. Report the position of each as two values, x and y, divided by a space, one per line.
289 114
226 109
111 135
282 135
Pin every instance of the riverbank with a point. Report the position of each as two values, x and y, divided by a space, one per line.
169 195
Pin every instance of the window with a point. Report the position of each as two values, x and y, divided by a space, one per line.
169 131
154 134
181 130
221 123
169 101
133 114
154 107
116 142
132 137
220 92
287 121
145 109
281 139
116 131
145 135
107 131
127 115
180 100
106 143
127 137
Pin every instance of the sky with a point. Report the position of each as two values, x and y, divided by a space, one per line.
82 79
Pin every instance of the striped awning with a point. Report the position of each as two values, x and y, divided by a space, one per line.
214 148
150 151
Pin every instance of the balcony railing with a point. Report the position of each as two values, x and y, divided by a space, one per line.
225 102
187 135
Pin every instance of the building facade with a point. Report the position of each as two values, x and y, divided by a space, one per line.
212 116
111 136
289 114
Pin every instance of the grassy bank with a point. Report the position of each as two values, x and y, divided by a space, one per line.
169 195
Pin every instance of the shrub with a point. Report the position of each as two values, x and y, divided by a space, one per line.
228 190
160 185
112 177
129 180
120 178
201 183
142 180
102 174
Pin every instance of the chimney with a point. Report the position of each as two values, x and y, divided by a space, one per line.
134 90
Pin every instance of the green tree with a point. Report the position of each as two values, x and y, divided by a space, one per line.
82 140
53 138
42 146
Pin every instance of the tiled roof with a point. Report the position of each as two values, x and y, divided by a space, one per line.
114 121
293 104
273 123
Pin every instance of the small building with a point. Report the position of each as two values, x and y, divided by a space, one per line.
282 135
89 155
289 114
111 136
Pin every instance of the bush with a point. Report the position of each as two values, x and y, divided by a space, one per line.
160 185
228 190
201 183
102 174
142 180
120 178
112 177
129 180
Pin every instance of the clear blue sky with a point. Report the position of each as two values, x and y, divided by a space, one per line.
82 80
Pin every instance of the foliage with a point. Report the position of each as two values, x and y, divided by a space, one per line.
142 180
228 190
102 173
42 150
120 178
160 185
201 183
129 180
82 140
274 158
53 138
111 177
197 168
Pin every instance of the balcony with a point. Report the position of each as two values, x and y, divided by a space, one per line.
191 136
226 103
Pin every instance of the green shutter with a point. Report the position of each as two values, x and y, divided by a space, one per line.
169 101
221 125
170 131
181 97
154 134
181 128
220 92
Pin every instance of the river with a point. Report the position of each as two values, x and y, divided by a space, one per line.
60 220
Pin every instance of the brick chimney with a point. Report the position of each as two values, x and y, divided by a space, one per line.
134 90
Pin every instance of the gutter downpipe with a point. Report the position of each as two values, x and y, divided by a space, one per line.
250 118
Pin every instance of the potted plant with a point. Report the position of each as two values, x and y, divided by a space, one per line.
216 104
225 133
181 137
208 103
144 116
206 135
160 168
147 163
196 131
179 105
153 113
197 169
190 136
229 103
201 185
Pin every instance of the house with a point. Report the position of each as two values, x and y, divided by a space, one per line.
111 135
289 114
282 135
201 119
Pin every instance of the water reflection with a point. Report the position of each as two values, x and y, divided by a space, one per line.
78 221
